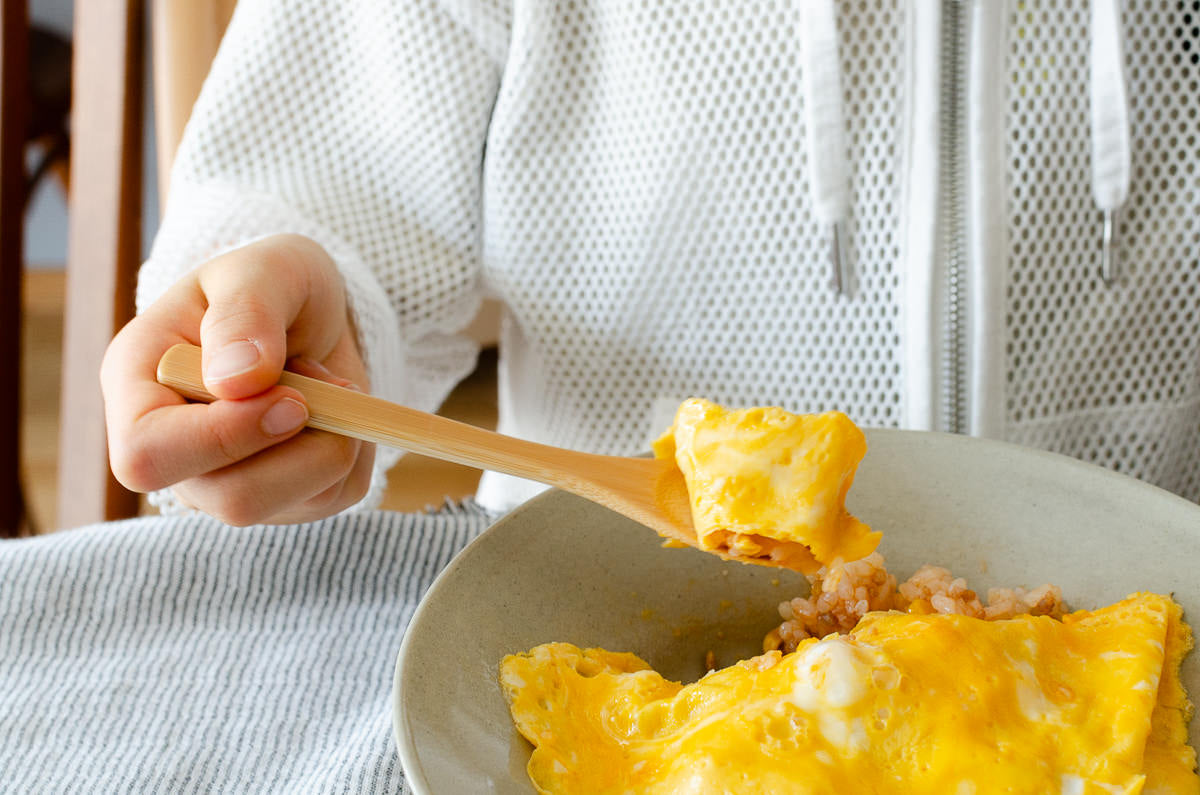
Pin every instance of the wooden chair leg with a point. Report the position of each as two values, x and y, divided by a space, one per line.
14 40
104 245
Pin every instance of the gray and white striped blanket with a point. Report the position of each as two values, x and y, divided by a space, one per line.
181 655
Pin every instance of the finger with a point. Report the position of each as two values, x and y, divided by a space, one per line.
244 331
337 497
174 443
274 481
343 365
128 382
265 302
349 490
304 365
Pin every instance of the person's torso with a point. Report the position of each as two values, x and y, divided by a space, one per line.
649 223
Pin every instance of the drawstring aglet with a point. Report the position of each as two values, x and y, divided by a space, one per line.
837 259
1108 250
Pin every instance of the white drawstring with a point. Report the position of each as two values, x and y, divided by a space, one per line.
1110 126
829 177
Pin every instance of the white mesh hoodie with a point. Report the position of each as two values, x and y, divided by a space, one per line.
652 191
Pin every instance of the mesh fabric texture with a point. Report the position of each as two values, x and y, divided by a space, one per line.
1106 374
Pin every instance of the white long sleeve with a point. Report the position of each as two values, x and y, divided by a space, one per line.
362 126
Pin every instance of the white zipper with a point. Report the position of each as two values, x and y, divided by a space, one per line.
956 272
953 215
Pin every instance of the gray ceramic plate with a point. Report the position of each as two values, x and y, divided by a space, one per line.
562 569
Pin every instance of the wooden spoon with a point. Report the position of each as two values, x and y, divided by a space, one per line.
649 491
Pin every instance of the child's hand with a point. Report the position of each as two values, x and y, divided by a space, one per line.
243 458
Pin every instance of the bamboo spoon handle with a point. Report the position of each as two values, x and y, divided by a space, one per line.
349 413
650 491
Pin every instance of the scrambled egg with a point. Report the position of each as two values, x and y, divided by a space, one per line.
904 703
916 702
761 477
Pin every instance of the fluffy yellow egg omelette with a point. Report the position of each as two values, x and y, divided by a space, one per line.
761 479
903 704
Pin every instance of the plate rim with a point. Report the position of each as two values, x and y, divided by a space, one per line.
410 762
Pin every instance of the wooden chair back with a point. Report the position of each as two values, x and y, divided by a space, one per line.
14 40
105 203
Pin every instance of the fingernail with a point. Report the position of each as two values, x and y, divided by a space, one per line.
234 359
286 415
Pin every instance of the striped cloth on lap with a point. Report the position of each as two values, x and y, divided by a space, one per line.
182 655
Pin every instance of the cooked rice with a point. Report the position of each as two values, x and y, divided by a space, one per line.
843 593
933 589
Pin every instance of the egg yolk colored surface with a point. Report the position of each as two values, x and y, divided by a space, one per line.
763 475
903 704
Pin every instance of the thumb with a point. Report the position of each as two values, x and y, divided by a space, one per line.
278 297
239 366
243 334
